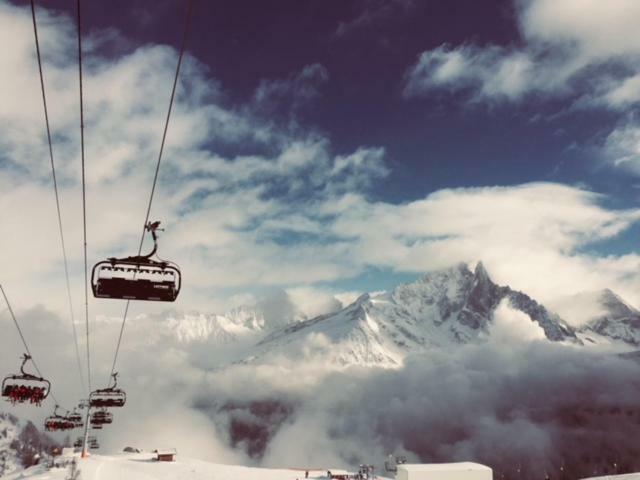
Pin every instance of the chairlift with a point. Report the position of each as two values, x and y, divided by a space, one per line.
100 418
57 422
93 443
108 397
25 387
76 418
139 277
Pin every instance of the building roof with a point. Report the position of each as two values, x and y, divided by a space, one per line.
166 451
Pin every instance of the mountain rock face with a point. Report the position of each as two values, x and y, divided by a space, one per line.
443 308
618 320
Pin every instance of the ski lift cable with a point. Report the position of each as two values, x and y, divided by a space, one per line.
84 197
55 188
157 170
24 341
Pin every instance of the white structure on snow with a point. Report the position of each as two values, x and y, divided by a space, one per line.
444 471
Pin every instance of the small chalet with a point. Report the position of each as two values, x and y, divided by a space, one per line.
166 454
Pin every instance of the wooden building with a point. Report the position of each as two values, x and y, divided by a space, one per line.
166 455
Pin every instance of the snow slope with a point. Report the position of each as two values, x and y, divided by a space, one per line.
629 476
141 466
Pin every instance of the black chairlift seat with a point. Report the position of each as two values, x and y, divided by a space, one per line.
108 397
100 418
25 387
138 277
76 418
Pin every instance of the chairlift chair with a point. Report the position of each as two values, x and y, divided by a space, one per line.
57 422
100 418
139 277
25 387
76 418
108 397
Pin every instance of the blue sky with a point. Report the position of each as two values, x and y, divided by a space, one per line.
342 146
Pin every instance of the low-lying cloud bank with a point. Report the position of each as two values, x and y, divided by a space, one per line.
516 404
535 410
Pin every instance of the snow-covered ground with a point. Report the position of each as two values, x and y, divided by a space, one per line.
629 476
142 466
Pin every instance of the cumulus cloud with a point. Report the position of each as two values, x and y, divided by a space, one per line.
248 204
583 53
512 404
622 146
521 407
374 12
295 92
562 44
511 325
531 237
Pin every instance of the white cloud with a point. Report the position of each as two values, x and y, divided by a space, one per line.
513 326
288 214
582 52
563 41
493 72
622 147
530 236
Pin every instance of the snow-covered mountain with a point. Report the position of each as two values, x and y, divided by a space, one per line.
237 324
219 329
441 309
617 320
21 444
9 431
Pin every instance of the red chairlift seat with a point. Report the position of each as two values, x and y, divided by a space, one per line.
137 278
25 387
56 422
108 397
